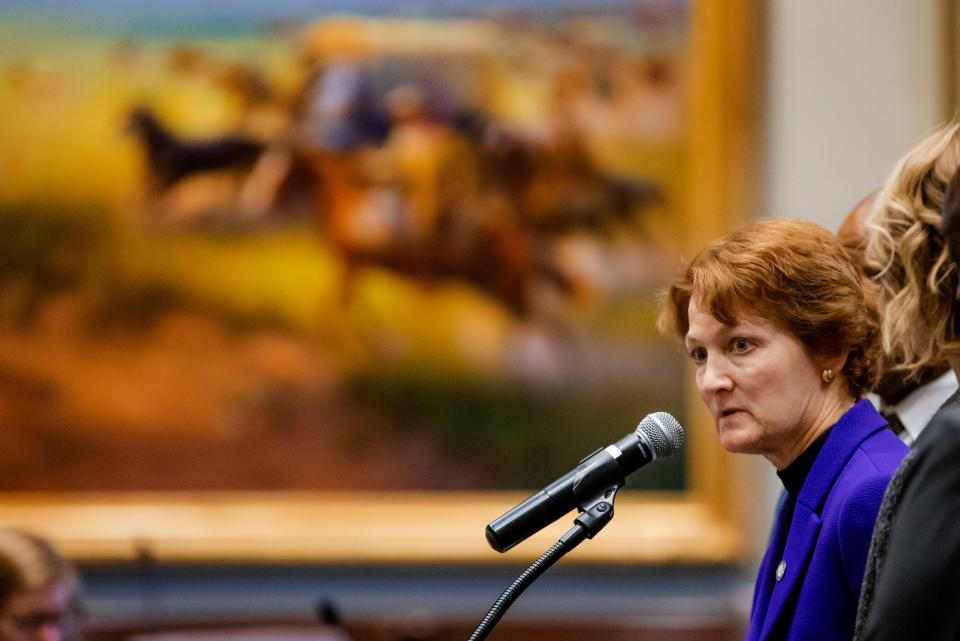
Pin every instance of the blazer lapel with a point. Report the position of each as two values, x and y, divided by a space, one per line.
850 431
801 540
765 577
854 426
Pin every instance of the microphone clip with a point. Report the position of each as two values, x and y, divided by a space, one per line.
597 511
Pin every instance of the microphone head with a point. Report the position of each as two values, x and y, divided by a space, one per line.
662 432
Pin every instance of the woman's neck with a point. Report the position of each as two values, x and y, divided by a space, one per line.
828 414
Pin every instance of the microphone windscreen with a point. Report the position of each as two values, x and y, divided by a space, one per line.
663 432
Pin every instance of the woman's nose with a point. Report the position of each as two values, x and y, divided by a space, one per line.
714 376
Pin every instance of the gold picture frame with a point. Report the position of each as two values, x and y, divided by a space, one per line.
699 524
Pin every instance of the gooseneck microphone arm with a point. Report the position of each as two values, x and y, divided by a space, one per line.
594 516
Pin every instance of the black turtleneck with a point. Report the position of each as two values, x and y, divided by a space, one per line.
793 478
795 474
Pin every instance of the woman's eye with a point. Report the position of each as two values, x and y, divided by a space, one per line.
741 345
699 355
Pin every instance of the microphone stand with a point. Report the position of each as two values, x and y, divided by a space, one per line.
594 515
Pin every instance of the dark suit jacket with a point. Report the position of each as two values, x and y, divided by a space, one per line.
917 593
825 549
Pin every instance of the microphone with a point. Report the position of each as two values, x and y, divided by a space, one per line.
658 435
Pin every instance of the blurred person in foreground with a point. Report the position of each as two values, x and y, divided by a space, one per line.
785 341
908 399
912 586
39 590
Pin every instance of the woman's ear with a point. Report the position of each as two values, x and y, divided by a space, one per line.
834 364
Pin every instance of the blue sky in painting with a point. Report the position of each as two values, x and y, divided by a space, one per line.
233 16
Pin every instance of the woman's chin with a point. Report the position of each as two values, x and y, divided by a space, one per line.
738 441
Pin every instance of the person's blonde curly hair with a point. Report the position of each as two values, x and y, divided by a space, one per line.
907 255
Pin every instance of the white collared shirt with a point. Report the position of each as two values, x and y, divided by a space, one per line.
919 406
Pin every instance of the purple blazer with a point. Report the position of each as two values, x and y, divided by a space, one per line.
810 593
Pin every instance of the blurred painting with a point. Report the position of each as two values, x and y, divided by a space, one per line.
359 245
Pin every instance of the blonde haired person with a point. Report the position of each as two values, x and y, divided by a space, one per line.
39 590
908 255
912 586
784 341
907 399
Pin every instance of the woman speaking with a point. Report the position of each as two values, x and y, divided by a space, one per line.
784 341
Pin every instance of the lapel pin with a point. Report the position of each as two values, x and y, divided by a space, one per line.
781 569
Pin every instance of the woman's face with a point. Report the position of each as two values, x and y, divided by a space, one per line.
40 614
761 385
